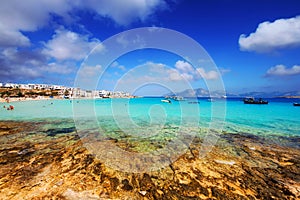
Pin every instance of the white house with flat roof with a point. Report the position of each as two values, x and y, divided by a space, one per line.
11 85
103 93
23 86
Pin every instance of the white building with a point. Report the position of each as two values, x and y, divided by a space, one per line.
24 86
103 93
57 87
31 86
77 93
11 85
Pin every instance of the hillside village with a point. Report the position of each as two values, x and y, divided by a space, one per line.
13 90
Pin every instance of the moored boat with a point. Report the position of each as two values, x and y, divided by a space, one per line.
166 100
178 98
251 100
296 104
210 100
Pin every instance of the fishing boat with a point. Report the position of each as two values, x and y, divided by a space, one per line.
166 100
178 98
296 104
251 100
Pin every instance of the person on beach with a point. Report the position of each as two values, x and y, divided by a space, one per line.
11 107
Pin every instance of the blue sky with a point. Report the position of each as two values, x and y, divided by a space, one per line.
255 44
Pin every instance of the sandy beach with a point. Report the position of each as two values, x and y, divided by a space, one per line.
9 100
39 163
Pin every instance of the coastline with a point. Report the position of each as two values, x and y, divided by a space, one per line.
16 99
52 163
8 100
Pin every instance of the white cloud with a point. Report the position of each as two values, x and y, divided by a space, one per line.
58 68
90 71
25 64
125 12
183 66
30 15
69 45
26 15
281 70
18 17
173 75
210 75
9 38
147 72
269 36
185 71
20 72
118 66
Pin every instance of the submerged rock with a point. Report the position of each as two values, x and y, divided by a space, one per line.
40 166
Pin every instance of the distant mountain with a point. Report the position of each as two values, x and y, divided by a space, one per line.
200 92
270 94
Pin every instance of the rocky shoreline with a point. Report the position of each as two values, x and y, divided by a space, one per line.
39 163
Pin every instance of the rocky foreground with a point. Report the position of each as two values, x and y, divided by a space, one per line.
53 164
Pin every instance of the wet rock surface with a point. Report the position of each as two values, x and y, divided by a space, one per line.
36 164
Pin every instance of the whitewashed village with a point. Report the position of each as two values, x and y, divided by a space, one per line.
40 91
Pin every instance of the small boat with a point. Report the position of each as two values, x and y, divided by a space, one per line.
296 104
178 98
166 100
193 102
251 100
210 99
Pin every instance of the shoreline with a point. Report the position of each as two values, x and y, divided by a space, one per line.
17 99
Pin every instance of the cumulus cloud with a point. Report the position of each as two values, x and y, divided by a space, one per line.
281 70
185 71
118 66
210 75
20 64
269 36
27 63
16 65
10 38
125 12
17 16
90 71
59 68
69 45
183 66
182 71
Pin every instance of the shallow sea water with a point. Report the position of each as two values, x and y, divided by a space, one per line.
256 155
280 117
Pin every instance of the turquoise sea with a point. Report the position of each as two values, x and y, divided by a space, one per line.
279 117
